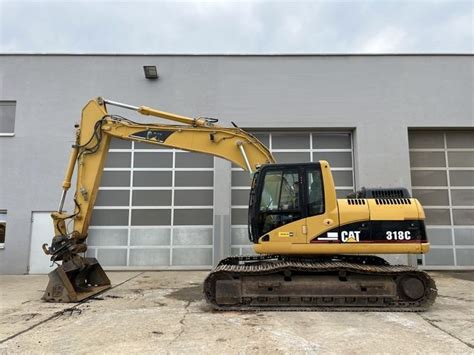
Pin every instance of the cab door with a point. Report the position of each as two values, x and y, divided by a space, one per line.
322 221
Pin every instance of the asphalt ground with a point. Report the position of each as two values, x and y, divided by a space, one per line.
164 312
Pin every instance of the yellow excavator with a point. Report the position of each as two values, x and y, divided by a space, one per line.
315 252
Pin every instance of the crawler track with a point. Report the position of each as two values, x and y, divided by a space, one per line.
342 283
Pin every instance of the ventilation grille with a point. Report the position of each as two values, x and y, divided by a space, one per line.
392 201
388 193
355 201
380 192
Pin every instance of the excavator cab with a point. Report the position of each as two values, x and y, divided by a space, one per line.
283 193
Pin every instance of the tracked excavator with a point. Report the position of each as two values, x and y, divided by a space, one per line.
314 251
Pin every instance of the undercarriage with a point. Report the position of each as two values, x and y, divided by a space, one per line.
339 283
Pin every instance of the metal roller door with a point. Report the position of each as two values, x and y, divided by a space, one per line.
287 147
442 174
154 209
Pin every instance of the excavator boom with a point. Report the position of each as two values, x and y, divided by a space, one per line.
80 277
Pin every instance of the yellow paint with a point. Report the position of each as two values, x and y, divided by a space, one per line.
392 212
352 213
280 234
197 136
341 248
319 224
421 211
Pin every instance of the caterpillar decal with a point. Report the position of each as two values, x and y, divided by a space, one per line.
153 135
375 231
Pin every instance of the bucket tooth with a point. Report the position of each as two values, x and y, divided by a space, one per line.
74 282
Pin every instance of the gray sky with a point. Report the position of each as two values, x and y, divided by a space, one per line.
380 26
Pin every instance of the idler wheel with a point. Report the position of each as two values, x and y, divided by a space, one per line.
413 287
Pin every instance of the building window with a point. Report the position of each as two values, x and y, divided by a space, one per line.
155 208
7 118
3 228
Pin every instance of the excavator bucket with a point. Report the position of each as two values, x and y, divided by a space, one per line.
72 283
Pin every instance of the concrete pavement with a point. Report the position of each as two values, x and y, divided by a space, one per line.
163 312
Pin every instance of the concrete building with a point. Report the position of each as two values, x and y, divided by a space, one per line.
381 120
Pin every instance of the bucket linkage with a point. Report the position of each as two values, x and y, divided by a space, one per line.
77 278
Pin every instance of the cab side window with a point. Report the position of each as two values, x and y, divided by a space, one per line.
315 192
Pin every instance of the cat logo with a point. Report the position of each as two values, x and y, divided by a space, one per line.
285 234
350 236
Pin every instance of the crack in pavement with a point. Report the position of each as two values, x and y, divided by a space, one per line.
456 298
181 321
433 324
62 312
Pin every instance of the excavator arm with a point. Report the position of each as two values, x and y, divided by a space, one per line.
78 277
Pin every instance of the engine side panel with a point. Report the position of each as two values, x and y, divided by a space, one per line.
376 221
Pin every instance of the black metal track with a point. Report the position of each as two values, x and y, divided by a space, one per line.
365 268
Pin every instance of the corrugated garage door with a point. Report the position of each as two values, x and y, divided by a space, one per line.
292 147
154 208
442 173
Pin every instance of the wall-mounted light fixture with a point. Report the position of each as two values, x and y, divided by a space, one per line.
150 72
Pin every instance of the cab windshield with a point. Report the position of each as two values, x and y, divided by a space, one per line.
280 191
279 200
